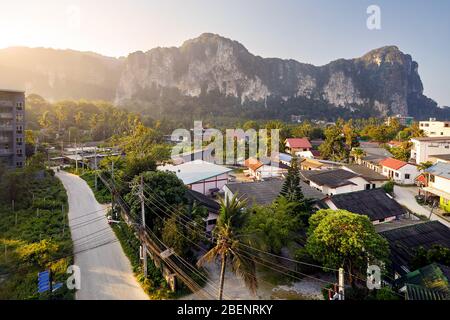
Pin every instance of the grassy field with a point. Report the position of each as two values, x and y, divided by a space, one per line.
34 236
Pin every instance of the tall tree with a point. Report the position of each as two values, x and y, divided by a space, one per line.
228 247
291 188
338 238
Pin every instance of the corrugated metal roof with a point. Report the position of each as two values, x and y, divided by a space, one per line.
195 171
414 292
403 242
265 192
366 172
440 169
374 203
285 157
331 178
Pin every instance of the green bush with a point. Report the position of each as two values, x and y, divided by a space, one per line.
154 285
389 187
33 237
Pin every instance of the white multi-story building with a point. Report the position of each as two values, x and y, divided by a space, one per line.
433 128
424 148
438 184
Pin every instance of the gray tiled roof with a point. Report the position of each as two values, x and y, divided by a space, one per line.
374 203
366 173
265 192
404 241
331 178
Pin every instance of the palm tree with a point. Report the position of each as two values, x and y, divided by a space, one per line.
424 165
229 245
44 120
357 153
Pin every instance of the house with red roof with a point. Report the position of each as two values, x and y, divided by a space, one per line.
297 145
399 171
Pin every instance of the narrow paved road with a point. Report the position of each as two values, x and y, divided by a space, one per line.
106 272
406 196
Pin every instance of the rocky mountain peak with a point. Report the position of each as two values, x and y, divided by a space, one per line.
382 82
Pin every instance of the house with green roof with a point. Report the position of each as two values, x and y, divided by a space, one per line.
428 283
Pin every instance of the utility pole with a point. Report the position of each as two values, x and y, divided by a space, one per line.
15 212
76 156
95 168
64 219
341 284
144 247
113 189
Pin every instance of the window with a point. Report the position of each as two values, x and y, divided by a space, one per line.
431 178
397 175
374 186
367 186
407 176
19 106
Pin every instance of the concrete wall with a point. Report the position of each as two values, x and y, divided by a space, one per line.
422 150
399 176
205 185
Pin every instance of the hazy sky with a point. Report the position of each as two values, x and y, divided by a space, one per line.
314 31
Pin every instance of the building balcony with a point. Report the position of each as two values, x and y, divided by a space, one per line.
6 152
6 115
4 139
6 127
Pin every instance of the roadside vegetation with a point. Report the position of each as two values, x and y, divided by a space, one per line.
154 285
34 232
101 193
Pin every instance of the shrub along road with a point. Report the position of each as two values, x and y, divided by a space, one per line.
106 273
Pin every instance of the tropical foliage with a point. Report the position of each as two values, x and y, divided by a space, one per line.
338 238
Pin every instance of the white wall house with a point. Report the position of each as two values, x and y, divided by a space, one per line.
332 182
433 128
351 185
200 176
424 148
438 183
399 171
260 171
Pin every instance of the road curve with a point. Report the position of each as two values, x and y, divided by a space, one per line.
106 272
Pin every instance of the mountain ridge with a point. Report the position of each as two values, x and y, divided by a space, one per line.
384 81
